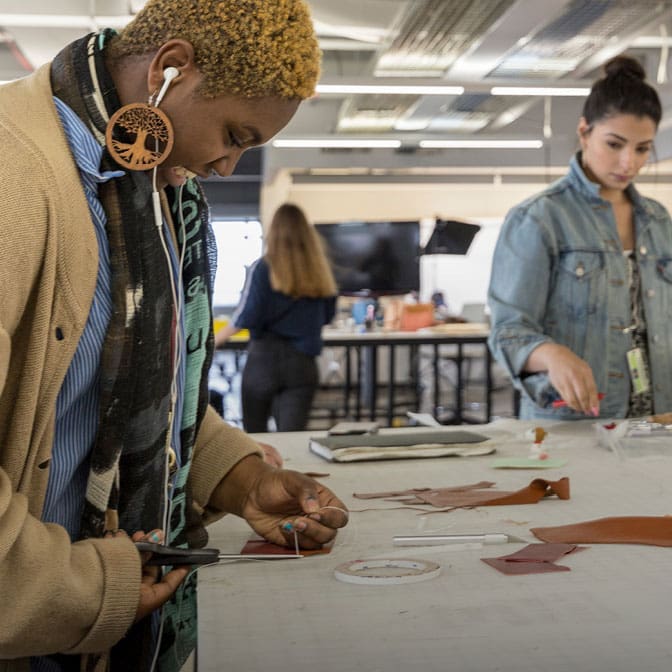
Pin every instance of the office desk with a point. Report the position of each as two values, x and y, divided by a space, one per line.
610 613
458 335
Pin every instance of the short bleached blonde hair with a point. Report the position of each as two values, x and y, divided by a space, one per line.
247 48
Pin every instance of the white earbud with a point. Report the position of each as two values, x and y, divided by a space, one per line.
169 75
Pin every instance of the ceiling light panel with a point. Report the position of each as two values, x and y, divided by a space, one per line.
540 91
391 89
431 35
335 143
481 144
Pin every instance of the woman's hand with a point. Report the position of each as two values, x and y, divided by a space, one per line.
570 375
155 589
278 502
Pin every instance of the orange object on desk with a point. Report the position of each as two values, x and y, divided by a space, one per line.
416 316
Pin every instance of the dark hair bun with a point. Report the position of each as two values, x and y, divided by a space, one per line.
623 90
624 65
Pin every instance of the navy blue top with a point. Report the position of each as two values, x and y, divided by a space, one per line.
262 310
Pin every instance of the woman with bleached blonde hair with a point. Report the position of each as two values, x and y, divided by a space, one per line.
106 329
290 294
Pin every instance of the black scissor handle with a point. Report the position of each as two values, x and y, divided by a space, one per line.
167 555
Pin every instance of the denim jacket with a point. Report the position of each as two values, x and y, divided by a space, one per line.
559 275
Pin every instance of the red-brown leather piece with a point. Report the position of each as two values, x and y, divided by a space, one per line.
257 546
650 530
413 491
477 494
518 568
540 553
533 559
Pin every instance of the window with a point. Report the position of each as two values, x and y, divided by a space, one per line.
239 244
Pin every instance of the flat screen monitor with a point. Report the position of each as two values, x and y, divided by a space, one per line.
374 258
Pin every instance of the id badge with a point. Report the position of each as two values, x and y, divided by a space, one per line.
638 375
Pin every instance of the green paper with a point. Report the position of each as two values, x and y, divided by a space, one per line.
526 463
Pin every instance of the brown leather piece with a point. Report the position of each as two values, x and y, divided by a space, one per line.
399 493
475 494
533 559
540 553
650 530
256 546
518 568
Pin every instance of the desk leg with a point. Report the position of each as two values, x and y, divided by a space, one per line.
373 370
358 387
414 367
488 383
348 383
436 380
390 386
459 388
368 377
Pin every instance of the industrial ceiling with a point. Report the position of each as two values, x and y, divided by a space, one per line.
463 54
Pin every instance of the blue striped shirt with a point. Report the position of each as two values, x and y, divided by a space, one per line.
77 412
77 402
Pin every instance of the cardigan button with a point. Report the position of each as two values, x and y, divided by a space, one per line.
59 334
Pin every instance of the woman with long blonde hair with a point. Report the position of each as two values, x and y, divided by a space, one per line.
290 294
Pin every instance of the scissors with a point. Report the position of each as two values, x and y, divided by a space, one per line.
168 555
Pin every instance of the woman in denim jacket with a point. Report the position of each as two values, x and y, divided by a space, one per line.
581 285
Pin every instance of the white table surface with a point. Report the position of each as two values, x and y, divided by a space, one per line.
611 613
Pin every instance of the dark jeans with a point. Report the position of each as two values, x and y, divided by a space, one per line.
279 381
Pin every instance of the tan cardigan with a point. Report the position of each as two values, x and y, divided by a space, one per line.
57 596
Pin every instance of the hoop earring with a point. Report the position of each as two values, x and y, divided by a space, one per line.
139 136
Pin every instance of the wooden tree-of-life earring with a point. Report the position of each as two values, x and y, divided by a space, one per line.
139 136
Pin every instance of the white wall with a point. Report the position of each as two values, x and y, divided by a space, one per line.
330 202
463 279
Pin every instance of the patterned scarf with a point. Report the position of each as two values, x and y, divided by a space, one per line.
127 472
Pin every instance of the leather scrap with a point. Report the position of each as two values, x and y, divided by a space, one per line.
257 546
399 493
649 530
533 559
475 494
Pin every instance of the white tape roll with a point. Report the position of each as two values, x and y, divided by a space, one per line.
387 571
